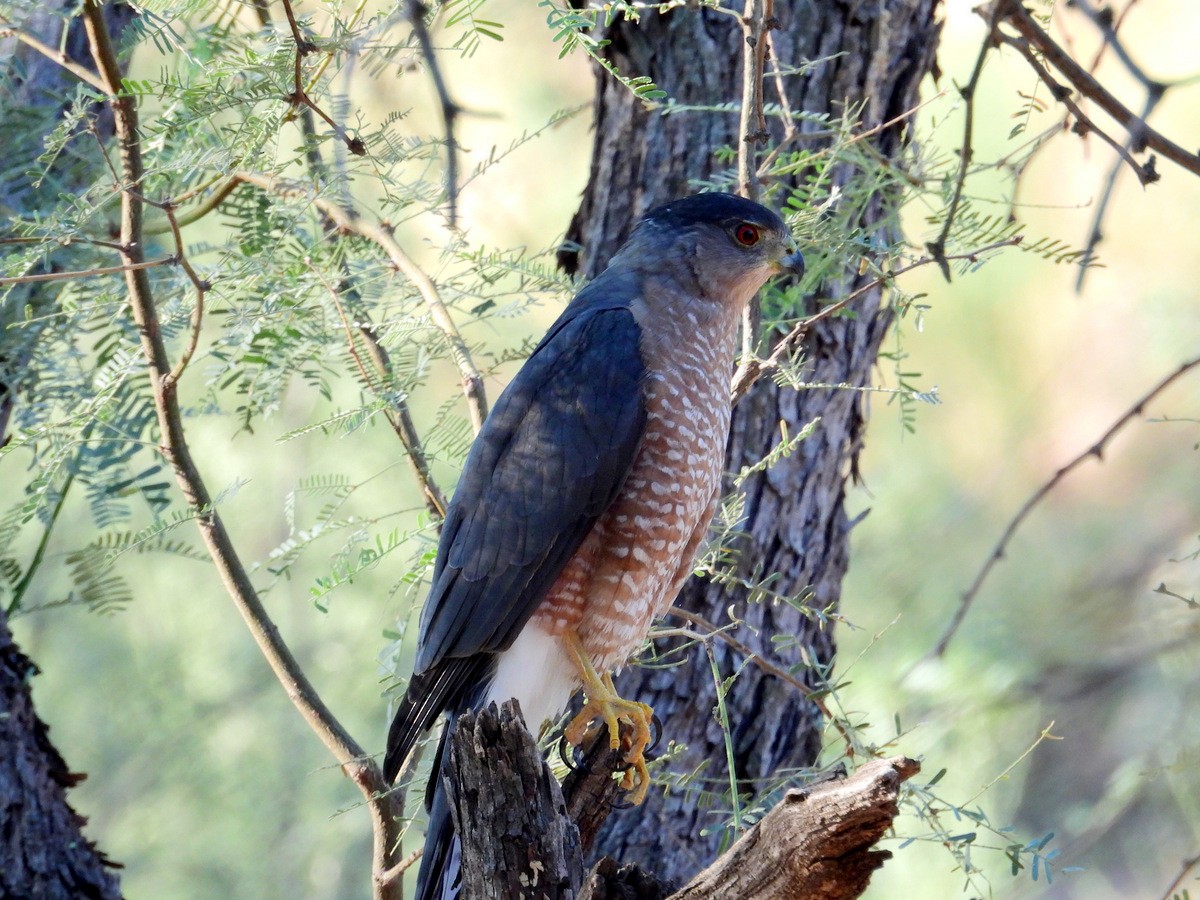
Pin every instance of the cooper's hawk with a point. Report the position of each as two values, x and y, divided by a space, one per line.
588 492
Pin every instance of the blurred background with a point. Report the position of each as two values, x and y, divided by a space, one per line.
205 783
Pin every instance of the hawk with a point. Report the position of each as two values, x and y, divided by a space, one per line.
588 492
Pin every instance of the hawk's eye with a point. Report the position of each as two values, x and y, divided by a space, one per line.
746 235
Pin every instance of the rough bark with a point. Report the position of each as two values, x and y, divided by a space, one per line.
796 522
43 852
527 846
816 843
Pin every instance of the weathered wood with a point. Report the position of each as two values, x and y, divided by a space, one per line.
796 528
508 809
815 844
520 840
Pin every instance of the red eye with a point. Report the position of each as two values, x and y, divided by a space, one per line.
746 235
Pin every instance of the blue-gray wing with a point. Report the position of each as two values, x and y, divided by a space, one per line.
549 460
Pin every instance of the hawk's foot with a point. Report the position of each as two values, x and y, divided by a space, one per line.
605 704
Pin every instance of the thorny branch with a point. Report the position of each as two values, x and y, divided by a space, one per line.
353 761
1096 450
752 370
417 11
300 97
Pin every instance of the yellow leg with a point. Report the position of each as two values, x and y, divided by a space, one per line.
603 702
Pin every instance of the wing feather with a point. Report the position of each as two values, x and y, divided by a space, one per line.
550 459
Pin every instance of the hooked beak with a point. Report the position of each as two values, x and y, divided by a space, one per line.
792 262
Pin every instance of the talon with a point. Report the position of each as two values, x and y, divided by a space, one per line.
605 704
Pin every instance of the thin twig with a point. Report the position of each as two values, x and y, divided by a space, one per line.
1095 233
398 413
394 873
1083 125
351 223
1188 865
809 693
350 757
1096 450
300 96
1013 13
450 110
790 131
88 273
84 74
202 288
747 375
937 247
65 241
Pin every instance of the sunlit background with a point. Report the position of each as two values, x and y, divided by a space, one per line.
204 782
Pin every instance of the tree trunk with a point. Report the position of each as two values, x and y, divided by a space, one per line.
796 522
43 852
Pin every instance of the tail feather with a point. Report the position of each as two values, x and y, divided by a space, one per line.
429 693
440 875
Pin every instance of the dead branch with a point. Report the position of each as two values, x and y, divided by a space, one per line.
522 841
816 843
1014 14
1096 450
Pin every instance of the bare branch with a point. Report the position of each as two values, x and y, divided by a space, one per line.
1096 450
88 273
752 132
416 11
61 59
1013 13
300 97
937 247
816 843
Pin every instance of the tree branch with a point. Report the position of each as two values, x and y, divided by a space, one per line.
88 273
416 11
353 761
398 413
350 222
752 132
816 843
300 97
749 373
1013 13
1096 450
61 59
